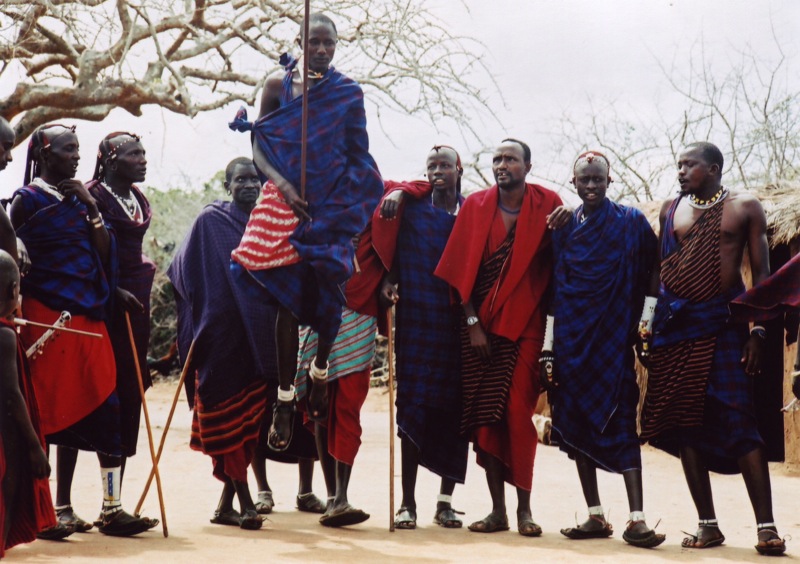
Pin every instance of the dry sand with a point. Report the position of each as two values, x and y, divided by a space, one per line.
191 495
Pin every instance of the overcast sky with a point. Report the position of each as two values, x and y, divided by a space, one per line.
545 56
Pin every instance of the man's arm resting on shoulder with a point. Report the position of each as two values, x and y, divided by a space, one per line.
14 403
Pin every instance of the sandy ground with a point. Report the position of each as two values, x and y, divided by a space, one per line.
191 494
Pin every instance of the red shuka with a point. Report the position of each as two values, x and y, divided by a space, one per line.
74 375
32 510
513 302
513 309
375 252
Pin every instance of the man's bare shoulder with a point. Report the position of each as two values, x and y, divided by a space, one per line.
8 342
274 81
745 201
665 207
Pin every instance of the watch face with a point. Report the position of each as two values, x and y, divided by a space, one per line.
472 320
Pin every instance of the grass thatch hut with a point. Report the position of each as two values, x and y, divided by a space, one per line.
780 430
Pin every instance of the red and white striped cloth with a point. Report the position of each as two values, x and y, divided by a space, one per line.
265 243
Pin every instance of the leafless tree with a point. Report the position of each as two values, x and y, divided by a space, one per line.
81 58
749 110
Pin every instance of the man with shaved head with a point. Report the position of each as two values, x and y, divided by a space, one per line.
428 359
498 261
604 259
697 350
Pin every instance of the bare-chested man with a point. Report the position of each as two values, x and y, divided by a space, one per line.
699 403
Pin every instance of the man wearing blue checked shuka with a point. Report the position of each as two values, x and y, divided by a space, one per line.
604 258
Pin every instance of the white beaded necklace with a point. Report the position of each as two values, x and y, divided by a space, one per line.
129 205
45 187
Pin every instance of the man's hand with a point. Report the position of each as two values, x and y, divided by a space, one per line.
73 187
388 296
23 258
547 372
559 217
391 204
480 342
40 467
293 200
643 344
129 301
751 355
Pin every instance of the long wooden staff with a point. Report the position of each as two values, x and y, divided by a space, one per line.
390 360
304 111
147 426
186 364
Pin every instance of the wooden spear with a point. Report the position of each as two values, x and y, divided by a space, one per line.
148 427
390 360
304 125
175 399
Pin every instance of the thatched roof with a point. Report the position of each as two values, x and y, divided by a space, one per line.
781 203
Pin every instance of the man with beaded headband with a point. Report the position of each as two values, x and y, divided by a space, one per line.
603 263
74 268
121 162
699 400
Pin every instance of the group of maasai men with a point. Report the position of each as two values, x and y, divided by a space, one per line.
497 296
79 250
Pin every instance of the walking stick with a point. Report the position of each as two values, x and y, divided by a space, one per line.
147 426
390 360
304 106
186 364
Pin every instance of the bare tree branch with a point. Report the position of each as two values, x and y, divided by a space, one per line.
80 56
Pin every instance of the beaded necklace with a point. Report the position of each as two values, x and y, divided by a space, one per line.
505 209
699 204
45 187
129 205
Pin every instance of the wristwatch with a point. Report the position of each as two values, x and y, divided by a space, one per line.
472 320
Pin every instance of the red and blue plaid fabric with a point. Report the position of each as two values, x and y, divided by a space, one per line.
601 275
67 272
427 343
343 187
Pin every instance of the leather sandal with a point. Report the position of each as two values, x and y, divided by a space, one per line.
579 533
492 523
277 432
647 539
448 518
770 543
